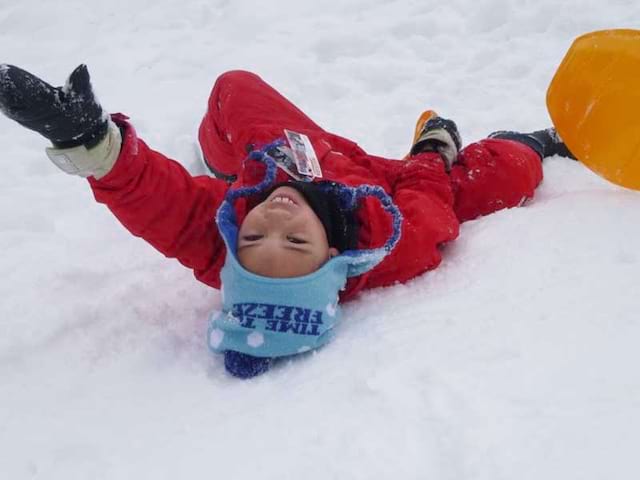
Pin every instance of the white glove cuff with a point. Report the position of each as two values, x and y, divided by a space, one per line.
96 162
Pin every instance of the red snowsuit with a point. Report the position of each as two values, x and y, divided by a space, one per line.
157 199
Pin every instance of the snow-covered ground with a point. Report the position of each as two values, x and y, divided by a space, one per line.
514 360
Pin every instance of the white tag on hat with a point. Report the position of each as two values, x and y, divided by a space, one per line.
283 157
304 154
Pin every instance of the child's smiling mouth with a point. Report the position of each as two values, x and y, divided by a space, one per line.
283 199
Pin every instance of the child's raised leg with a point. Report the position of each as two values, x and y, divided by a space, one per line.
244 112
493 174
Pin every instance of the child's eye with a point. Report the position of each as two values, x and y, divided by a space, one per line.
295 240
252 238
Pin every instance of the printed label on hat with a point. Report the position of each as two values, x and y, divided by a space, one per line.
279 318
304 154
283 157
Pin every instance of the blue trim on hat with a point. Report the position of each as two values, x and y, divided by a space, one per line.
349 199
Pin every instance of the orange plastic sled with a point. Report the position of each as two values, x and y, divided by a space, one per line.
594 103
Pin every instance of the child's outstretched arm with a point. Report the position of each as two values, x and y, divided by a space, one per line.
421 189
154 197
157 199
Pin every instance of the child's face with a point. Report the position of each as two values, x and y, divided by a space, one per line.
283 237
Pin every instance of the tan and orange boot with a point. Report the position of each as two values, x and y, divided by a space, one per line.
422 119
436 134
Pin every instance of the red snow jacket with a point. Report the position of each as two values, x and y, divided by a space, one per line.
157 199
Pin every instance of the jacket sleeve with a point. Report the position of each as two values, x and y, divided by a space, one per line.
493 174
157 199
421 189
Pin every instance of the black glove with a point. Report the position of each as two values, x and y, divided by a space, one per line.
68 116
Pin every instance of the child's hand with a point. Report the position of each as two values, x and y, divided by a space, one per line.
68 116
85 142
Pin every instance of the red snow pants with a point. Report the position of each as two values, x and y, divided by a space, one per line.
244 111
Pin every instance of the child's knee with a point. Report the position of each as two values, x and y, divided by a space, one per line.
233 79
230 85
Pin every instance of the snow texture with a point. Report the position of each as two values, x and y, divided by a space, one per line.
513 360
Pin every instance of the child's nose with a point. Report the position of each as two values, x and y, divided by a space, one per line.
277 214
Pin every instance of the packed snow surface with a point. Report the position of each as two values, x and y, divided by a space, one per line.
516 359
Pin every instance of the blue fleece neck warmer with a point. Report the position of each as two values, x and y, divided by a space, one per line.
275 317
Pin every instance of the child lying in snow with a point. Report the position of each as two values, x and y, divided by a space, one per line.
282 240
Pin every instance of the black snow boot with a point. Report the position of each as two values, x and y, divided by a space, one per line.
546 142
